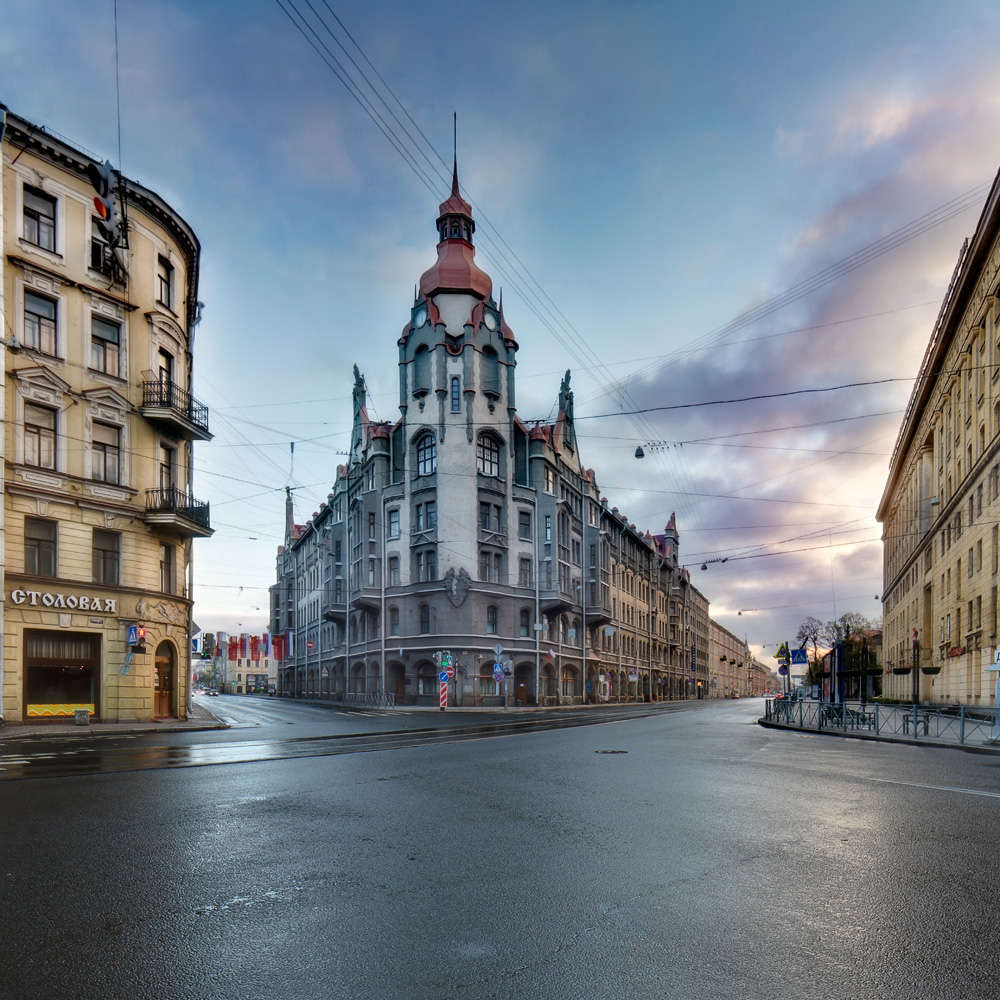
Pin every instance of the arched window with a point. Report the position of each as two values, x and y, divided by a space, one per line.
490 379
421 371
456 395
488 455
426 455
491 620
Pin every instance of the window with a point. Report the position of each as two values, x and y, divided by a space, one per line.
426 515
164 281
425 618
394 571
456 395
488 455
491 620
485 562
524 524
167 575
166 467
39 436
426 455
548 527
484 515
550 480
371 525
393 621
524 573
106 458
107 556
426 566
104 346
39 547
39 324
39 218
524 625
392 528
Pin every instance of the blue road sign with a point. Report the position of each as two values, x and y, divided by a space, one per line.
799 656
133 635
443 676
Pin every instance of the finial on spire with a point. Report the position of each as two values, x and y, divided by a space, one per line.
454 147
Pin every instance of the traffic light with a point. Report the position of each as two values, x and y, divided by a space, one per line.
446 660
139 646
102 176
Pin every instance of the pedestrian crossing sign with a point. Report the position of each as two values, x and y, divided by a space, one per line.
782 653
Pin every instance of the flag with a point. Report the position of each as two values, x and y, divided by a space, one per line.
278 645
233 652
549 655
254 648
265 645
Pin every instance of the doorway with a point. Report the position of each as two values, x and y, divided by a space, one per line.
165 671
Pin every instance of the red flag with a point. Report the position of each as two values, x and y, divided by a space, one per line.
254 648
278 645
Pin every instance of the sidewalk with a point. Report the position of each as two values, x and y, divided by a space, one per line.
200 719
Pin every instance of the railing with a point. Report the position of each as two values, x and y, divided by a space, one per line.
172 500
169 395
954 724
370 699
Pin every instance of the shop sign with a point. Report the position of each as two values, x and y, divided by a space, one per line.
72 602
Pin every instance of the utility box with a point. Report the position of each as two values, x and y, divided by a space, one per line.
81 716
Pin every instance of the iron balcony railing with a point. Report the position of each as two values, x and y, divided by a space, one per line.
172 500
163 394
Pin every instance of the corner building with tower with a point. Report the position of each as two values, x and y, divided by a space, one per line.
99 296
461 535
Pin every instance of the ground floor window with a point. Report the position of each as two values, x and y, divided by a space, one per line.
488 686
61 673
427 684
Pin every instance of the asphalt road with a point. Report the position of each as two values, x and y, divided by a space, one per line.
686 854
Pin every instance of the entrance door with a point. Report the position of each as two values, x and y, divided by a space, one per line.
166 672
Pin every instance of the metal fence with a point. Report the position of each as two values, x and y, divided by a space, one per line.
957 724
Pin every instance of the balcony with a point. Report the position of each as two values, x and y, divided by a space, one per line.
176 511
166 403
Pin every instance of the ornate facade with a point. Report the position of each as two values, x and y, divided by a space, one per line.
99 296
461 530
941 504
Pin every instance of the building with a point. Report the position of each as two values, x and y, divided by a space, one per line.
459 540
940 508
730 664
99 303
245 664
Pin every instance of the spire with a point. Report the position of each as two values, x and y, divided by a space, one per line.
456 269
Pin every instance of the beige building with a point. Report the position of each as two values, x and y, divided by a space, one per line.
940 508
99 424
729 664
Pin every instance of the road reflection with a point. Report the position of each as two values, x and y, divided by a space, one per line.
55 759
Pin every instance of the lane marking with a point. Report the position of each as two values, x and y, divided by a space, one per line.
936 788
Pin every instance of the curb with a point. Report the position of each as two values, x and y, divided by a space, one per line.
984 748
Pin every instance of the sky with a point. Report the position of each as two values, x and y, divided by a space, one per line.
733 222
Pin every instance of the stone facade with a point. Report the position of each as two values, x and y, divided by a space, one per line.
458 535
941 504
98 518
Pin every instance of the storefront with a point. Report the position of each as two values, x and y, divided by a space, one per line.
67 652
62 673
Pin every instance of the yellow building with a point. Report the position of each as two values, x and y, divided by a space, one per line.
941 504
98 318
